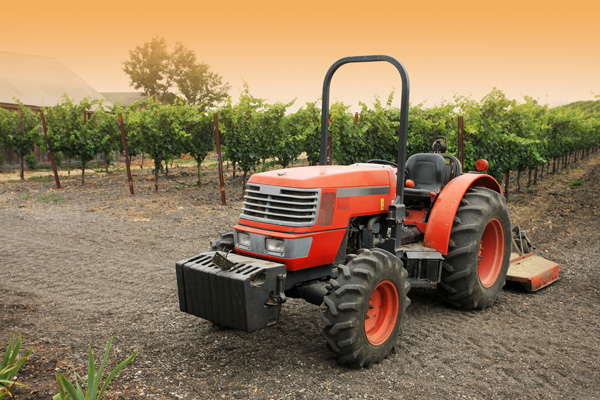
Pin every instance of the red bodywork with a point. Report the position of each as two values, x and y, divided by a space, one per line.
345 193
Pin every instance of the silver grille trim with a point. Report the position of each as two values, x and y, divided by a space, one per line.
281 205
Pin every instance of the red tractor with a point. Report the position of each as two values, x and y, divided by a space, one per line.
355 238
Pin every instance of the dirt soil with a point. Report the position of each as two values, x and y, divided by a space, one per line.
84 263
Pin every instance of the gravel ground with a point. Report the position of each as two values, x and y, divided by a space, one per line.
85 263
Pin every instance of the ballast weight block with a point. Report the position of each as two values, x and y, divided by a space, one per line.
231 290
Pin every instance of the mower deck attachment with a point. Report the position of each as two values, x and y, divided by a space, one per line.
531 271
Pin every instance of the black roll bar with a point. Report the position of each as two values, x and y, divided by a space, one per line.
395 213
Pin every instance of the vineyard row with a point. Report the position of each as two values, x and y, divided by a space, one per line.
511 135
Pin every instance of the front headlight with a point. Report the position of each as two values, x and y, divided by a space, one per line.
243 239
274 245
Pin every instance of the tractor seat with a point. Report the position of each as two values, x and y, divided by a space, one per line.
427 172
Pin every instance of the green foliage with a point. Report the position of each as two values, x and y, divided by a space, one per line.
290 145
200 86
19 130
200 139
10 366
271 134
22 130
238 124
70 132
53 197
58 158
304 126
148 67
347 143
425 124
507 134
69 391
378 128
511 135
161 132
104 128
160 73
589 107
569 130
576 183
6 126
132 125
31 161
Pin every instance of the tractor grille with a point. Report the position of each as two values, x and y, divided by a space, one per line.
281 205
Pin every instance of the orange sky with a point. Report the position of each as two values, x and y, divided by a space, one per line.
544 49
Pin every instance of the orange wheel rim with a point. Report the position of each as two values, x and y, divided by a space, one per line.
382 313
491 253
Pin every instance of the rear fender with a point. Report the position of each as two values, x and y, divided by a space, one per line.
439 225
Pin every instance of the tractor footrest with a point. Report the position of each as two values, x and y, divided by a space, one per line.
531 271
230 290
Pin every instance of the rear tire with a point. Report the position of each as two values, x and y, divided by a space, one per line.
365 308
224 243
475 268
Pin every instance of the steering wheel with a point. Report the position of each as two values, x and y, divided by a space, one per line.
384 162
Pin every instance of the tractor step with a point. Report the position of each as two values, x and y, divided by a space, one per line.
531 271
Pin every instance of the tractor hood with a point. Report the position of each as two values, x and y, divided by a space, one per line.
328 176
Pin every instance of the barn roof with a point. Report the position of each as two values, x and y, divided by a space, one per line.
123 98
39 81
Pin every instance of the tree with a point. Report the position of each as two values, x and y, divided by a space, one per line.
6 119
161 133
104 127
348 145
239 125
307 122
6 122
200 128
148 68
69 131
22 132
270 132
163 74
378 128
202 87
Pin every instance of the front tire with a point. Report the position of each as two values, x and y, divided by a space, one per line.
365 308
475 268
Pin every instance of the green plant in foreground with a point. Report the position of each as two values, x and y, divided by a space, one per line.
10 366
68 391
576 183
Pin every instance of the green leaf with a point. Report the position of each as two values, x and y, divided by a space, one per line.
69 388
92 384
115 372
61 391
